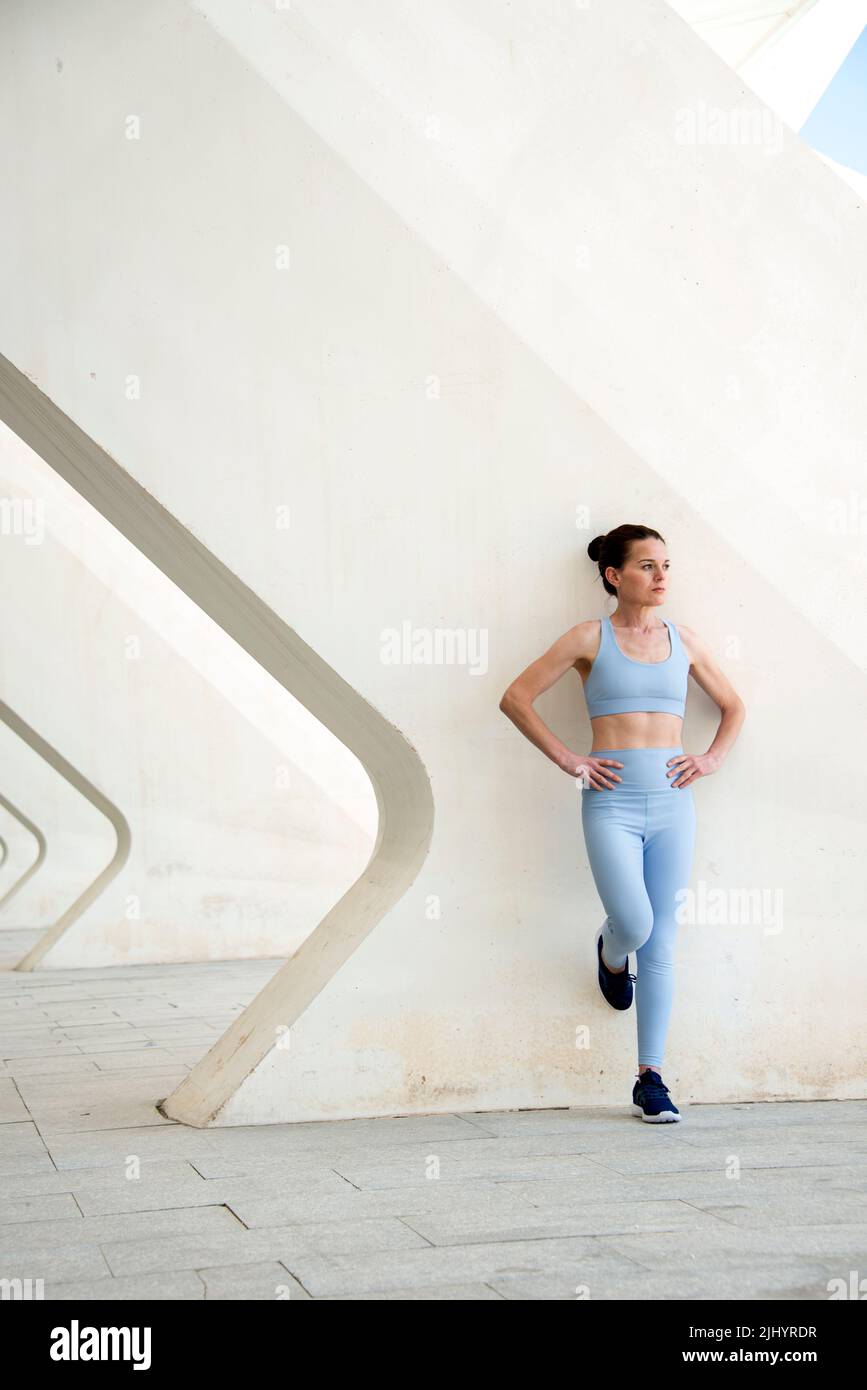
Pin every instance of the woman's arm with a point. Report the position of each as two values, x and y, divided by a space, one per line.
706 673
540 675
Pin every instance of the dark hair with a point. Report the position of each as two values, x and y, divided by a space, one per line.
614 548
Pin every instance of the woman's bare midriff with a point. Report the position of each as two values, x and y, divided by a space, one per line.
643 729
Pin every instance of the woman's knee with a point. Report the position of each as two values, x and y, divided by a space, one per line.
631 928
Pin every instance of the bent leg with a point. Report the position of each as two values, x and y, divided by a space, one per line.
668 854
613 834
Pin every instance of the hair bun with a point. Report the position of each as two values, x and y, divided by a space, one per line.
594 549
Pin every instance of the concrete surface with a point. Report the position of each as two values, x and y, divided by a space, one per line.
102 1197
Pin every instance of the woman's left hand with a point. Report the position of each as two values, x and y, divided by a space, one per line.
687 766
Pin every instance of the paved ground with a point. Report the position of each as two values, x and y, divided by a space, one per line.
738 1202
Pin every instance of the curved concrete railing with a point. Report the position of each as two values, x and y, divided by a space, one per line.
96 798
399 779
41 849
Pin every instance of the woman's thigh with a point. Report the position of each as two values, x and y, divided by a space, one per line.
668 850
613 824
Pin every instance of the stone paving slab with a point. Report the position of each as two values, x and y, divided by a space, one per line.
63 1065
702 1117
12 1107
88 1017
408 1172
789 1113
850 1136
445 1293
57 1206
37 1025
18 1164
40 1048
412 1155
43 1048
317 1192
147 1058
57 1262
804 1209
90 1045
49 1092
58 999
187 1252
763 1280
325 1276
22 1139
14 998
102 1107
836 1246
264 1209
583 1260
99 1034
253 1141
464 1228
78 1180
688 1158
269 1281
345 1237
201 1222
690 1186
365 1238
180 1285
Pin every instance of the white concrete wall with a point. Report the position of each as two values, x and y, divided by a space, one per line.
461 286
236 850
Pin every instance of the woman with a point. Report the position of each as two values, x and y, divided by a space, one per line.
637 809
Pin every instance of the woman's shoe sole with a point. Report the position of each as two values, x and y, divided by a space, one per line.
665 1117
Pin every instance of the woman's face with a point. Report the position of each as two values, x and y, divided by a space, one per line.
644 576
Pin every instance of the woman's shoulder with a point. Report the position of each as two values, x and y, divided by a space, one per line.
692 644
586 637
588 630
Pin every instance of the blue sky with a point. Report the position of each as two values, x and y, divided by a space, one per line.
837 125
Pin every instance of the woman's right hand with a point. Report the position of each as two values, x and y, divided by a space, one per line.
591 770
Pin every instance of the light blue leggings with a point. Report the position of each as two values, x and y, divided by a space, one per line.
640 837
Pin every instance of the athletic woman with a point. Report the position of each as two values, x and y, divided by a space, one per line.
637 809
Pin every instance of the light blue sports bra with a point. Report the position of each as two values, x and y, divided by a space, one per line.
618 684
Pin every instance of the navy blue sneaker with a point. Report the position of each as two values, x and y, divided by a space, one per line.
650 1099
616 989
